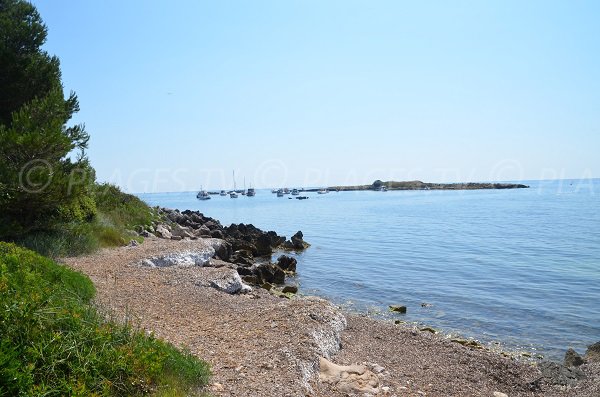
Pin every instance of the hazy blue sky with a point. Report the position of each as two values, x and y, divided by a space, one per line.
177 94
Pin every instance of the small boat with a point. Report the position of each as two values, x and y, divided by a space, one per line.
384 189
280 193
233 193
251 192
286 191
223 193
322 191
295 192
274 191
203 195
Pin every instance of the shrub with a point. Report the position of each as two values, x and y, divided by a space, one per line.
54 342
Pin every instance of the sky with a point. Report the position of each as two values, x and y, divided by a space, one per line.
177 95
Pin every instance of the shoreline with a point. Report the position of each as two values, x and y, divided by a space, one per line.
262 345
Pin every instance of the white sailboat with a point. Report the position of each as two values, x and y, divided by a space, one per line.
233 193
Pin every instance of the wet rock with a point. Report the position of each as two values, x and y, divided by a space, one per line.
398 308
558 374
468 343
270 273
290 289
592 353
287 263
296 242
573 359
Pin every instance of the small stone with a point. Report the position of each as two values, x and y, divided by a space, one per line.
217 387
133 243
428 329
500 394
378 369
398 308
176 238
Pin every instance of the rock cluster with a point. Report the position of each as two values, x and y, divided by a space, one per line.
244 245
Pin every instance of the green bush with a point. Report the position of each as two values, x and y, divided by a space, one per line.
124 210
55 343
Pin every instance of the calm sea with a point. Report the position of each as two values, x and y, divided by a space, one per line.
520 267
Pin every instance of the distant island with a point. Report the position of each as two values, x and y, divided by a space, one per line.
418 185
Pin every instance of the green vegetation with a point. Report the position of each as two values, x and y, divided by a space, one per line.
55 343
117 216
42 182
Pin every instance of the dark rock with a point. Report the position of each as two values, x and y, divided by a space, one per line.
558 374
223 250
216 233
250 279
267 286
270 273
398 308
239 244
291 289
573 359
296 242
287 263
245 271
592 353
242 257
263 245
203 231
177 238
196 218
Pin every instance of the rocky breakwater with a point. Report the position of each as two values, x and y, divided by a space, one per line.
244 247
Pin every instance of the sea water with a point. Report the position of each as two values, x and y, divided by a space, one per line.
519 267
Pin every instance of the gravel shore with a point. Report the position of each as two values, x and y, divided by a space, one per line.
259 344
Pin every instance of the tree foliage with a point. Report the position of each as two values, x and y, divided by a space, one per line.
42 179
